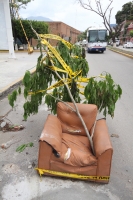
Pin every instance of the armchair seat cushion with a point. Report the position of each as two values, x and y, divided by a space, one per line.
76 151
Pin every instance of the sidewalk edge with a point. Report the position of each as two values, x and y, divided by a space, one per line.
13 85
124 54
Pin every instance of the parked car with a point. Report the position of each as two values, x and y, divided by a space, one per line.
117 42
78 43
84 43
128 45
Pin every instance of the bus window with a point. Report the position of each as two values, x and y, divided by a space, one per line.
97 35
93 36
102 35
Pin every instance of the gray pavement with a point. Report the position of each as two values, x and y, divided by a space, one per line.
18 177
13 70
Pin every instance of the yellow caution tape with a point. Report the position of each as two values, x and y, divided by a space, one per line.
56 54
85 79
57 69
82 79
56 37
80 86
30 49
58 84
76 73
75 56
70 175
67 69
82 93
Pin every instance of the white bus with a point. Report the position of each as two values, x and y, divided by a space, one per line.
97 39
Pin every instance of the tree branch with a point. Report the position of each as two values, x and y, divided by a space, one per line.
77 111
110 14
88 7
102 14
62 102
108 7
73 101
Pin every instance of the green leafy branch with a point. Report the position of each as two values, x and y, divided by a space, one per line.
103 92
23 146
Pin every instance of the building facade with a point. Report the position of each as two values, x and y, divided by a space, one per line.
64 31
127 26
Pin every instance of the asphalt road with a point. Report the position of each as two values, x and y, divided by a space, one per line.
19 180
121 69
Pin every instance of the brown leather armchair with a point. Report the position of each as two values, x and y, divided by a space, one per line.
64 148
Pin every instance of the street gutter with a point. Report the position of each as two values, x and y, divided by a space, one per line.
122 52
9 88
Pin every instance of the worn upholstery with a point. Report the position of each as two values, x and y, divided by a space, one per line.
52 133
65 147
71 123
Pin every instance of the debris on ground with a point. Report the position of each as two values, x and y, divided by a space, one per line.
9 126
6 126
23 146
115 135
9 143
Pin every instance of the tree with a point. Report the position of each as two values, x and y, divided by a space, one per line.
125 14
16 5
40 27
131 33
104 14
126 28
82 36
58 77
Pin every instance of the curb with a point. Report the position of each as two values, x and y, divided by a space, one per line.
19 51
124 54
13 85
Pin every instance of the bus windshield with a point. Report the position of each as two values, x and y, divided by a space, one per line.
97 35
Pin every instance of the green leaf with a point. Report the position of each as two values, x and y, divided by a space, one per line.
31 144
21 148
19 90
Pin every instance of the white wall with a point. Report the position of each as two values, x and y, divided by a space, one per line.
3 32
6 36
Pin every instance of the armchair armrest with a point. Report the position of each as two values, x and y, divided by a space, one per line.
52 133
101 138
103 150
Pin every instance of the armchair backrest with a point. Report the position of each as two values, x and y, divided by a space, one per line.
70 121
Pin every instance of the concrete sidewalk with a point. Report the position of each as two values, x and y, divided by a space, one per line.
13 70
